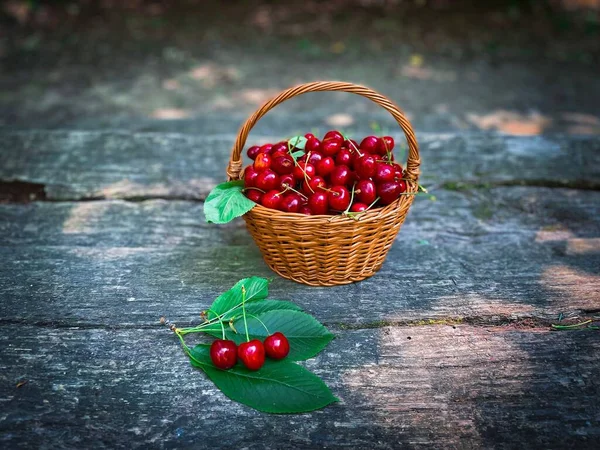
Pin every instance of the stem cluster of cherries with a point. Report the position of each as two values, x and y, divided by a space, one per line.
224 353
333 176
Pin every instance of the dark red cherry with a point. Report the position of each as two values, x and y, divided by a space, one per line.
325 166
314 185
386 145
318 203
358 207
252 354
338 197
312 145
351 145
384 172
223 353
279 154
266 148
303 171
250 175
365 191
344 157
402 185
254 195
309 136
286 181
314 158
365 166
277 346
341 176
290 203
334 135
267 180
330 148
262 162
271 199
397 171
253 151
388 192
305 209
283 165
370 144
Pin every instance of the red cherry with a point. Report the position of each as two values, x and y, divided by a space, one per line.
266 148
325 166
271 199
384 172
250 175
314 158
283 165
358 207
365 191
309 136
313 185
318 203
254 195
252 354
397 171
344 157
279 154
388 192
279 147
351 145
402 185
341 176
330 148
262 162
339 198
290 203
305 209
277 346
370 144
386 145
303 171
253 151
223 353
365 166
312 145
334 135
267 180
286 181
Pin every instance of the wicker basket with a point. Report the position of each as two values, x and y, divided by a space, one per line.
327 250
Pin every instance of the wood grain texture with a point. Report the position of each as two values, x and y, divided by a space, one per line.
80 165
409 387
490 254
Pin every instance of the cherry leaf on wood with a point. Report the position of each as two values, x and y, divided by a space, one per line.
226 202
256 289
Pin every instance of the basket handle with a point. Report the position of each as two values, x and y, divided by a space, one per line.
234 170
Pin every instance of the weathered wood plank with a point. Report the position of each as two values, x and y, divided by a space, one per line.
434 386
498 253
75 165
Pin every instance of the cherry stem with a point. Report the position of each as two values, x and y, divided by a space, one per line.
252 187
262 323
289 188
244 312
220 321
355 147
351 200
337 194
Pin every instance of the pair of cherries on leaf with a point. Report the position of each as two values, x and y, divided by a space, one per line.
224 353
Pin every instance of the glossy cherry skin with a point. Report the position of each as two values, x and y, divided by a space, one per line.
253 151
271 199
314 158
334 135
283 165
370 144
384 172
290 203
388 192
279 154
309 136
250 175
279 147
343 157
305 209
365 166
262 162
223 353
325 166
402 185
358 207
339 198
314 185
351 145
267 180
386 145
318 203
266 148
254 195
397 171
252 354
330 148
286 181
312 145
303 171
365 192
277 346
341 176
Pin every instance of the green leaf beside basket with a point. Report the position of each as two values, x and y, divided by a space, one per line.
226 202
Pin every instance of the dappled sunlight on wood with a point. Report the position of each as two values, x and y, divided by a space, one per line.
511 122
212 74
560 234
582 246
170 113
578 289
340 120
82 218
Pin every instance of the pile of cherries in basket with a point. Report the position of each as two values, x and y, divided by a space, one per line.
330 176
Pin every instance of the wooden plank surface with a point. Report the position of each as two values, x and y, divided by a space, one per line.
75 165
495 254
423 387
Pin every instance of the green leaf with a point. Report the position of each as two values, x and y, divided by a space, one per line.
297 154
278 387
297 142
226 202
306 335
256 289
